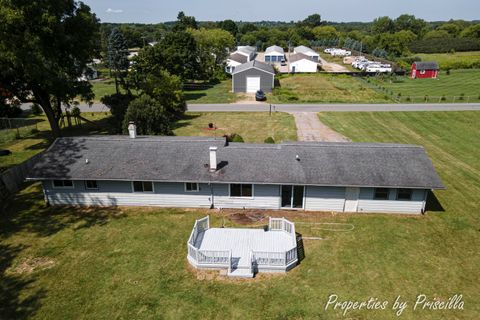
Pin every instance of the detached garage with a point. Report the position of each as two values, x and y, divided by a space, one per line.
253 76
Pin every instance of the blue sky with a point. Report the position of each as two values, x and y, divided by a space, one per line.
154 11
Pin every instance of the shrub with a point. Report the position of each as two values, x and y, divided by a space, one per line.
269 140
36 109
443 98
462 96
235 137
448 72
408 99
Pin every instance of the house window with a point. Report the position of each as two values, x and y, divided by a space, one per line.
381 194
142 186
241 190
191 187
91 185
62 184
404 194
422 71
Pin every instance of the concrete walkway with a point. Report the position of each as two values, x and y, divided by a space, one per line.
310 128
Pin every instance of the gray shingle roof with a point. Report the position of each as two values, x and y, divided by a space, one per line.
299 56
254 64
274 49
238 57
172 159
427 65
305 50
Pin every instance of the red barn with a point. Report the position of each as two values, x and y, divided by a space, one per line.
424 70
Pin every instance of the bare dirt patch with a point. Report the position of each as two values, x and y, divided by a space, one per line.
29 265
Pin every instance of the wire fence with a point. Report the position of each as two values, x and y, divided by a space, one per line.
437 99
16 128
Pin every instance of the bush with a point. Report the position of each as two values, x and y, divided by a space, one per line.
448 72
234 137
444 45
443 98
408 99
149 116
269 140
36 109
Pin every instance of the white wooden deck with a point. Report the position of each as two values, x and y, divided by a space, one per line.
242 251
243 241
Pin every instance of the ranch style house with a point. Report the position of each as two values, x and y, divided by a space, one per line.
212 173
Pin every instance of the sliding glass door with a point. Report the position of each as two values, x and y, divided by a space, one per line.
292 196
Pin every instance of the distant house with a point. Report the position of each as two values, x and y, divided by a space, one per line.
300 62
424 70
242 55
274 54
310 53
253 76
211 173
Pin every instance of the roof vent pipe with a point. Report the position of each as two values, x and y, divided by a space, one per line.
132 129
213 159
297 157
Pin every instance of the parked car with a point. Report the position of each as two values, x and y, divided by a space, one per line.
260 96
283 62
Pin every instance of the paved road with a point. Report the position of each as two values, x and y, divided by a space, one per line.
310 128
239 107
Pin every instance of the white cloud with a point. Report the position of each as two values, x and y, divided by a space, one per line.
110 10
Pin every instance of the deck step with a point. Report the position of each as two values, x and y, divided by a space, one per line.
241 273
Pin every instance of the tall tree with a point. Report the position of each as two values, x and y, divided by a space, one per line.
118 58
383 25
312 21
45 47
230 26
184 22
211 50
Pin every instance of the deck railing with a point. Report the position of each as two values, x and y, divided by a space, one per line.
263 258
282 224
206 257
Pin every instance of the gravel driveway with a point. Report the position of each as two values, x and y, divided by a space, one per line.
310 128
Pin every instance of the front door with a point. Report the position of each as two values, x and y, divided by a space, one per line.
292 197
351 199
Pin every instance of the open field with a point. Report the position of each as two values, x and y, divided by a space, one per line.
457 60
447 88
310 88
253 128
62 262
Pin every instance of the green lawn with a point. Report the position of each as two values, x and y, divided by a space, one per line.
457 60
312 88
252 127
32 142
125 263
466 82
217 93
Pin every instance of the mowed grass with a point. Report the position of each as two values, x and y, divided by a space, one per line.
31 143
209 93
311 88
458 83
457 60
215 93
124 263
253 127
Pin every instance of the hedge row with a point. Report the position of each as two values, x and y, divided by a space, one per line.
443 45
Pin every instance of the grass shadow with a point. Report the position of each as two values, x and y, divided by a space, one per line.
193 96
185 121
13 305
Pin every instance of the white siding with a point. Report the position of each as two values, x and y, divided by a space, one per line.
120 193
264 197
303 66
367 204
324 198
